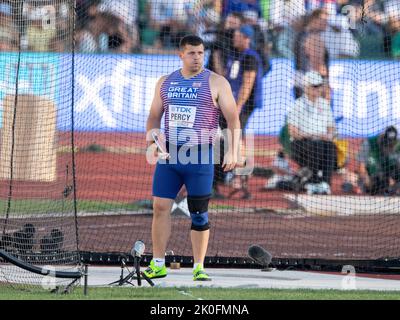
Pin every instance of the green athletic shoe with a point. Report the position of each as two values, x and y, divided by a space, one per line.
200 275
154 272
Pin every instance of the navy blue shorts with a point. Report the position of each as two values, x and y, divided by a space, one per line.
197 175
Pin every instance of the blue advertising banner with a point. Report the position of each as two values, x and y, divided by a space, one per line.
37 74
114 92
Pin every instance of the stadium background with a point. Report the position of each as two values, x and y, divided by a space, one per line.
101 101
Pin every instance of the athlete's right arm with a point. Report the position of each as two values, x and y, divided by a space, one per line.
156 113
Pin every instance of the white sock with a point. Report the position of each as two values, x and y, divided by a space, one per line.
198 264
159 262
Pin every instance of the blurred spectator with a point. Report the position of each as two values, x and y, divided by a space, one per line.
379 12
339 40
312 129
284 21
392 8
375 10
379 167
311 53
105 33
81 6
330 6
245 74
61 42
244 71
284 13
233 49
340 4
223 48
361 18
85 40
8 30
283 176
369 34
233 21
370 22
170 20
220 51
260 41
127 11
38 33
86 10
205 17
240 6
395 27
6 42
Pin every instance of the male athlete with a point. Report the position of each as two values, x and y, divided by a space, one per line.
191 99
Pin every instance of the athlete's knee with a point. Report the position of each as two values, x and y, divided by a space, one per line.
198 208
161 207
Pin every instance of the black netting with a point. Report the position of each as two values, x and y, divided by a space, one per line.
320 92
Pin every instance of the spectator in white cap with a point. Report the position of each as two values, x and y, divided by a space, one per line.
312 129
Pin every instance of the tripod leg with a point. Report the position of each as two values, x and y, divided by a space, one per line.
121 276
138 273
85 287
68 288
147 279
120 282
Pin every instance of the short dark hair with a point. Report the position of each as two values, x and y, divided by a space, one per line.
190 39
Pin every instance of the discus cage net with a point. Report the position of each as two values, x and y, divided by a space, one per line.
77 84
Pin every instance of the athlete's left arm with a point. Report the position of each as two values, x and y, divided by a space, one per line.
227 104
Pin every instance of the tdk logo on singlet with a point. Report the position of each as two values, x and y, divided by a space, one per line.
180 109
182 92
178 113
181 116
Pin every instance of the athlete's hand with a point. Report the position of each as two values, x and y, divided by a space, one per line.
162 155
157 146
156 152
229 162
152 147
